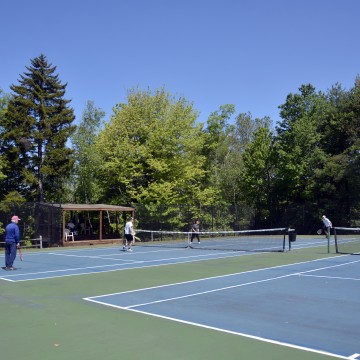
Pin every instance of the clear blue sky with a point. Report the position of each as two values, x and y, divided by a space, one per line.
251 53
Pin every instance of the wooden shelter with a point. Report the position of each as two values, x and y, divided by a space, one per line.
92 223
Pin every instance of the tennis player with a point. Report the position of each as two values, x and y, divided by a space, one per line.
195 229
327 226
129 233
12 242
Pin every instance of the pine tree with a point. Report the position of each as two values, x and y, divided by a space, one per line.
36 128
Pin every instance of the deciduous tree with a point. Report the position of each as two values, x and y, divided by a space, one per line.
87 158
151 150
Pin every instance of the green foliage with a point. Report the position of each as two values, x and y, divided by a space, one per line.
259 174
154 152
216 147
36 127
318 151
87 158
11 200
151 151
4 99
298 151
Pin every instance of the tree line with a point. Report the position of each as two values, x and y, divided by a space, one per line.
153 151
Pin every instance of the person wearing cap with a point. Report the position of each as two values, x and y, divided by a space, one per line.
327 226
129 233
12 242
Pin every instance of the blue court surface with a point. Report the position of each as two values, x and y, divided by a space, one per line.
79 261
311 305
73 262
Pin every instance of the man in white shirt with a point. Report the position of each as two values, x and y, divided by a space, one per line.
327 226
129 233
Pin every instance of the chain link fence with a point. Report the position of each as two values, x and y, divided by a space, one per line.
45 220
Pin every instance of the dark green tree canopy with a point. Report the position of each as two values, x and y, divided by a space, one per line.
36 128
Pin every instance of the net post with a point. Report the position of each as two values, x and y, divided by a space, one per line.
336 243
289 229
291 236
328 241
41 243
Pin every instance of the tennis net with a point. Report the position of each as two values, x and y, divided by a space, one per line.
347 240
247 240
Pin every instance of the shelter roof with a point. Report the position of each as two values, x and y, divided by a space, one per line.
90 207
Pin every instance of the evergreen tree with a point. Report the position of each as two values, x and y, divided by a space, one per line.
338 180
298 149
36 128
4 99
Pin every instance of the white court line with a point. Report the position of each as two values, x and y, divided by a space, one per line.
105 257
298 273
133 307
194 258
209 291
101 257
111 270
223 276
253 337
354 356
331 277
333 266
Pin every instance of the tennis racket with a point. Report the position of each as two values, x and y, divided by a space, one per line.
319 232
20 254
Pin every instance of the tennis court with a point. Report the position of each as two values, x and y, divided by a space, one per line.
185 303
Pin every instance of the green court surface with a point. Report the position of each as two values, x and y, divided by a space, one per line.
48 319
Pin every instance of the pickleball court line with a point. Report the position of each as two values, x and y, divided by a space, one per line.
249 336
230 275
119 267
331 277
298 273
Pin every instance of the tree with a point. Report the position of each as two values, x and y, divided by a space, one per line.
259 174
4 99
37 126
150 151
246 127
216 147
338 179
298 144
318 152
87 158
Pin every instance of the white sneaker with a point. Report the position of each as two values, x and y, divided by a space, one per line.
129 249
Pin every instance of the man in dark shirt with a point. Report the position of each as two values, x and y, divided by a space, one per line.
12 242
195 231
